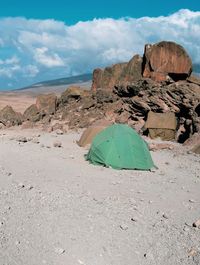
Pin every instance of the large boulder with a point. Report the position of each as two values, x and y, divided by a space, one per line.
166 59
33 114
107 78
47 103
97 78
133 70
9 117
72 93
111 76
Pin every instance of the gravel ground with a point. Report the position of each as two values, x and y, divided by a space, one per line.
57 209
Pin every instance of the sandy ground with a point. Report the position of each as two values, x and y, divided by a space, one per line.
20 100
57 209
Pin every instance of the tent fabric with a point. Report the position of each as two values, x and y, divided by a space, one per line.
120 147
161 121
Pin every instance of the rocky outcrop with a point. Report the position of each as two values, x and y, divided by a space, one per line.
8 117
120 94
166 60
110 76
72 93
133 71
33 114
107 78
182 98
46 103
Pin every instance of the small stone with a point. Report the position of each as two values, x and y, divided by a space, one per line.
59 251
59 132
187 224
9 174
20 186
21 139
165 216
71 156
124 227
191 200
81 262
35 141
29 187
133 220
57 144
186 228
17 242
192 252
7 208
197 224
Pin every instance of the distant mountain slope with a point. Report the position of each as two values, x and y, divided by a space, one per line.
62 81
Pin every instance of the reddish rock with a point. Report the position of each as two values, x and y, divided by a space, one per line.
97 77
107 78
32 113
46 103
9 117
164 60
133 70
71 93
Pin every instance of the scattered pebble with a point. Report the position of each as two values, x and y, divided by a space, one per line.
59 251
81 262
29 187
133 220
191 200
192 252
165 216
124 227
186 228
59 132
17 242
22 139
20 186
57 144
35 141
197 223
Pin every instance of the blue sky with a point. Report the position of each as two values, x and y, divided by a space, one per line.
72 11
41 40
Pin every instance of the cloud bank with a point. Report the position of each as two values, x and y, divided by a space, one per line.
35 50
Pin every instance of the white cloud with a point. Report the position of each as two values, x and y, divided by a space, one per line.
31 71
49 60
1 42
9 61
50 49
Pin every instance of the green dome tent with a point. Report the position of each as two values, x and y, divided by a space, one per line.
120 147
